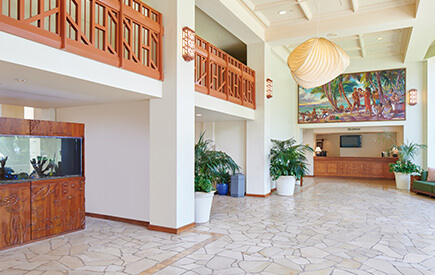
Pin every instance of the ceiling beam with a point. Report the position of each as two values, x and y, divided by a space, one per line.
306 9
355 5
362 45
421 36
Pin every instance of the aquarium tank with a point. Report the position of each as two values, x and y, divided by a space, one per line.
32 157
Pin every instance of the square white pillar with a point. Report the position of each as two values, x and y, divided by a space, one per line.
172 126
258 131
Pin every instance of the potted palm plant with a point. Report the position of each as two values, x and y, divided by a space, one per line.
404 166
208 164
288 163
223 182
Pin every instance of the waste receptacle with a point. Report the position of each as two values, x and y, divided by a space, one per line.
238 185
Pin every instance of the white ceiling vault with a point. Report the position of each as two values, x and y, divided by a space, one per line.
365 29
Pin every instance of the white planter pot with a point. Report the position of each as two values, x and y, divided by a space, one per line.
403 181
203 203
285 185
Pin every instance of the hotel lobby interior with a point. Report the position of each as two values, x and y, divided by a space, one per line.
110 101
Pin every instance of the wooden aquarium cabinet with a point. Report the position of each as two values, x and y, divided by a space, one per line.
50 200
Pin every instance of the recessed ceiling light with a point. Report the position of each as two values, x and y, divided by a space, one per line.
20 79
379 38
282 12
198 114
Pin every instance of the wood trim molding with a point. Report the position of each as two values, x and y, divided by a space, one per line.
118 219
259 195
171 230
274 189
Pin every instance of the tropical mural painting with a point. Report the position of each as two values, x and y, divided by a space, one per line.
367 96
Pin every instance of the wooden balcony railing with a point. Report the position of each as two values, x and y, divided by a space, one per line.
220 75
122 33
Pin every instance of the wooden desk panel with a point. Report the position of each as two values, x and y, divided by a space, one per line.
353 167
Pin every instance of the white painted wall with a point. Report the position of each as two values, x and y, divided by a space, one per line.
228 136
45 114
12 111
116 157
430 111
370 147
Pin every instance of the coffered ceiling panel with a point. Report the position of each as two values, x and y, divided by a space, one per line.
278 12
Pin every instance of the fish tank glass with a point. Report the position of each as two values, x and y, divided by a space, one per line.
32 157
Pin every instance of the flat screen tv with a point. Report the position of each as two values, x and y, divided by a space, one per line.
350 141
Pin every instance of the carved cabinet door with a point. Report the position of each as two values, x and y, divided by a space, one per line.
14 214
46 207
73 204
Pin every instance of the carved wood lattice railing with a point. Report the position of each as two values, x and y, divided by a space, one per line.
122 33
220 75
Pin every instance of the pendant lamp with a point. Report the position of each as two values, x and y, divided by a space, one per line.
316 62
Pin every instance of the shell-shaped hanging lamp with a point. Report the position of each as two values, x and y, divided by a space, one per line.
316 62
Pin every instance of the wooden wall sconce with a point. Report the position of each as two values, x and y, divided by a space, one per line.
413 95
269 88
188 50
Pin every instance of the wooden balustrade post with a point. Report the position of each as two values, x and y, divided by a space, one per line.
227 79
92 21
160 48
120 34
62 23
21 10
207 68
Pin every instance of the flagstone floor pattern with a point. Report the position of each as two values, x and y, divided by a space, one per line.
330 226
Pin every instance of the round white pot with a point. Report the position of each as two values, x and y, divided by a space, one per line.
285 185
403 181
203 203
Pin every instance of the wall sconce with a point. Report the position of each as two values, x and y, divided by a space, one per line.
269 88
413 95
188 51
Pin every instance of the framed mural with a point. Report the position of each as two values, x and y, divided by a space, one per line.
367 96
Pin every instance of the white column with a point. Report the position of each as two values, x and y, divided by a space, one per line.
45 114
257 131
430 115
172 125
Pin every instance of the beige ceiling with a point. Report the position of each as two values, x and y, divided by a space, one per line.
366 29
298 11
371 45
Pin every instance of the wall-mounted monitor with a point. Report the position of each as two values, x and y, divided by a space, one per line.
350 141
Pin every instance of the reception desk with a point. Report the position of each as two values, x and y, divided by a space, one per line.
353 167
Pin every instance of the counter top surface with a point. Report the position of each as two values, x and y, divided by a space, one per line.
6 182
357 158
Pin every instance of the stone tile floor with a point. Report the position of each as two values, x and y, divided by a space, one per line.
330 226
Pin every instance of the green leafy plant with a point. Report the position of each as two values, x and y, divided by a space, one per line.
405 167
406 153
223 176
288 159
209 163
